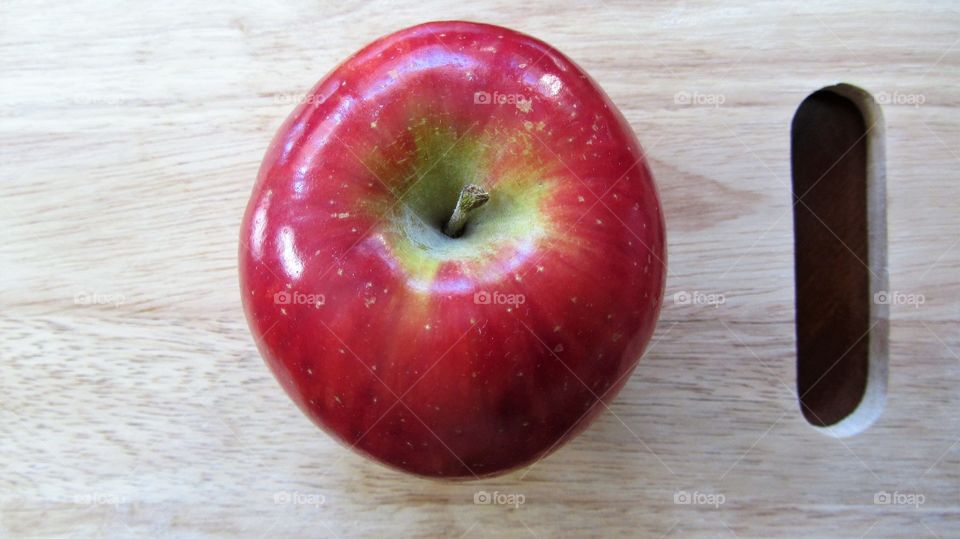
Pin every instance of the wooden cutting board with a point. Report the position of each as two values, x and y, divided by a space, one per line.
132 399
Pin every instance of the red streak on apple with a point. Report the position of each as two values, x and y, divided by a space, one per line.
454 357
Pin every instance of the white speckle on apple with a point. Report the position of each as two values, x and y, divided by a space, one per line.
599 221
337 398
580 199
525 105
309 372
539 269
283 311
558 348
528 125
517 277
289 285
550 84
573 299
427 327
373 124
340 272
556 329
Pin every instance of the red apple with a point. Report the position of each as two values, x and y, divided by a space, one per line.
453 346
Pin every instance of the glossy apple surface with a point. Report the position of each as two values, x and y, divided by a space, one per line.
441 356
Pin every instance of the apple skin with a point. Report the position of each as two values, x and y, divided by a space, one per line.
376 324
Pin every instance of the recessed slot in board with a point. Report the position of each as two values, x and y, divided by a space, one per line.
839 218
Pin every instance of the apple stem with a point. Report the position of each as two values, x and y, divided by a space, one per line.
471 197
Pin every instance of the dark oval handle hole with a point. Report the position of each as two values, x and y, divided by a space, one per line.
839 221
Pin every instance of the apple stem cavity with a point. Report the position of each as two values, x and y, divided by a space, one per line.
472 196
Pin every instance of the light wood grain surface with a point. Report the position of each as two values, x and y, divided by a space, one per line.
133 402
